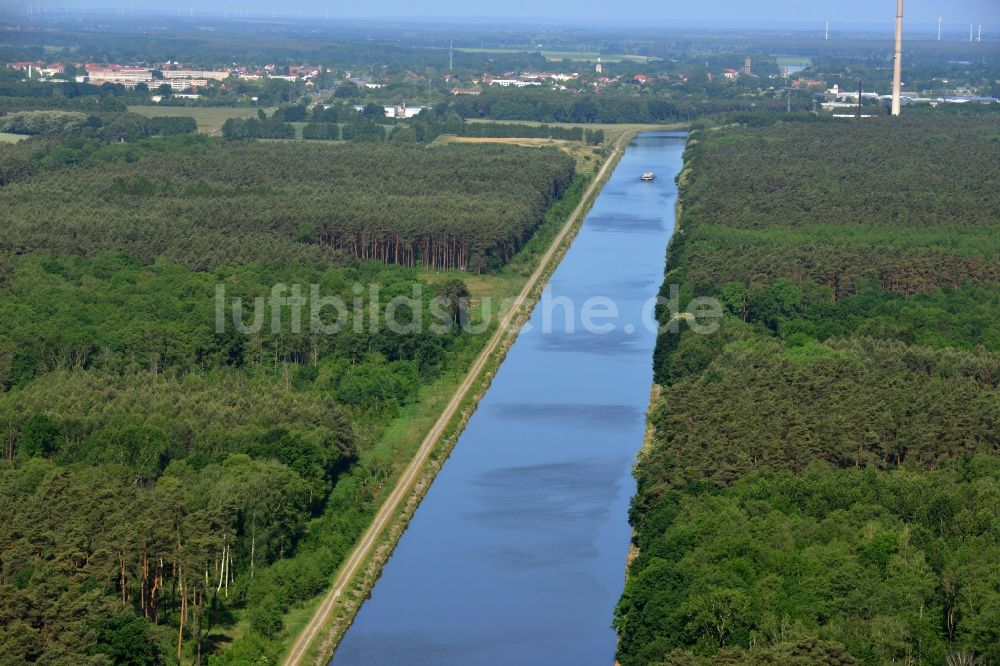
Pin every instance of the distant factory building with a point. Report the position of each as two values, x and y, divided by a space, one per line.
180 84
129 77
401 111
513 83
967 99
221 75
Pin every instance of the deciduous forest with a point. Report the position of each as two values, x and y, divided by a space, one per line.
822 483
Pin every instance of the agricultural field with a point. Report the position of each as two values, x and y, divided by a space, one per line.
209 119
612 131
6 137
821 483
585 157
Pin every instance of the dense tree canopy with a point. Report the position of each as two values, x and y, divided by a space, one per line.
554 106
166 480
821 485
157 473
871 568
911 205
206 203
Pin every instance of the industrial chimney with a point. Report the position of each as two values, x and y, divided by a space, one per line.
897 66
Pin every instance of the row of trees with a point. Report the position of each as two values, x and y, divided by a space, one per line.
553 106
24 95
255 128
42 122
820 487
433 126
337 121
321 130
107 126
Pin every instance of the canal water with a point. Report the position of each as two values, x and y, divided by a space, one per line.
517 553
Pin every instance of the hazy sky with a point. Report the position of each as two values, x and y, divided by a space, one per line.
957 13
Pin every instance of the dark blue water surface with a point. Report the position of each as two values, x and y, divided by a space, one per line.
517 553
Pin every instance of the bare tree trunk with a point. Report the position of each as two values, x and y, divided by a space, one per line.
144 584
155 594
221 569
180 628
197 624
121 561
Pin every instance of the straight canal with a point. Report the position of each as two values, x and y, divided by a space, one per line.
517 553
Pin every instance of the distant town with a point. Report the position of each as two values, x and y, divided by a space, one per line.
184 83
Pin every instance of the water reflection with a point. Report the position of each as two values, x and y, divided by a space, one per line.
517 554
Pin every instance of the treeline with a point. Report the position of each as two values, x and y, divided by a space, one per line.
87 104
516 130
60 95
433 127
207 203
322 131
821 483
43 122
256 128
370 125
366 126
171 125
111 126
588 136
552 106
